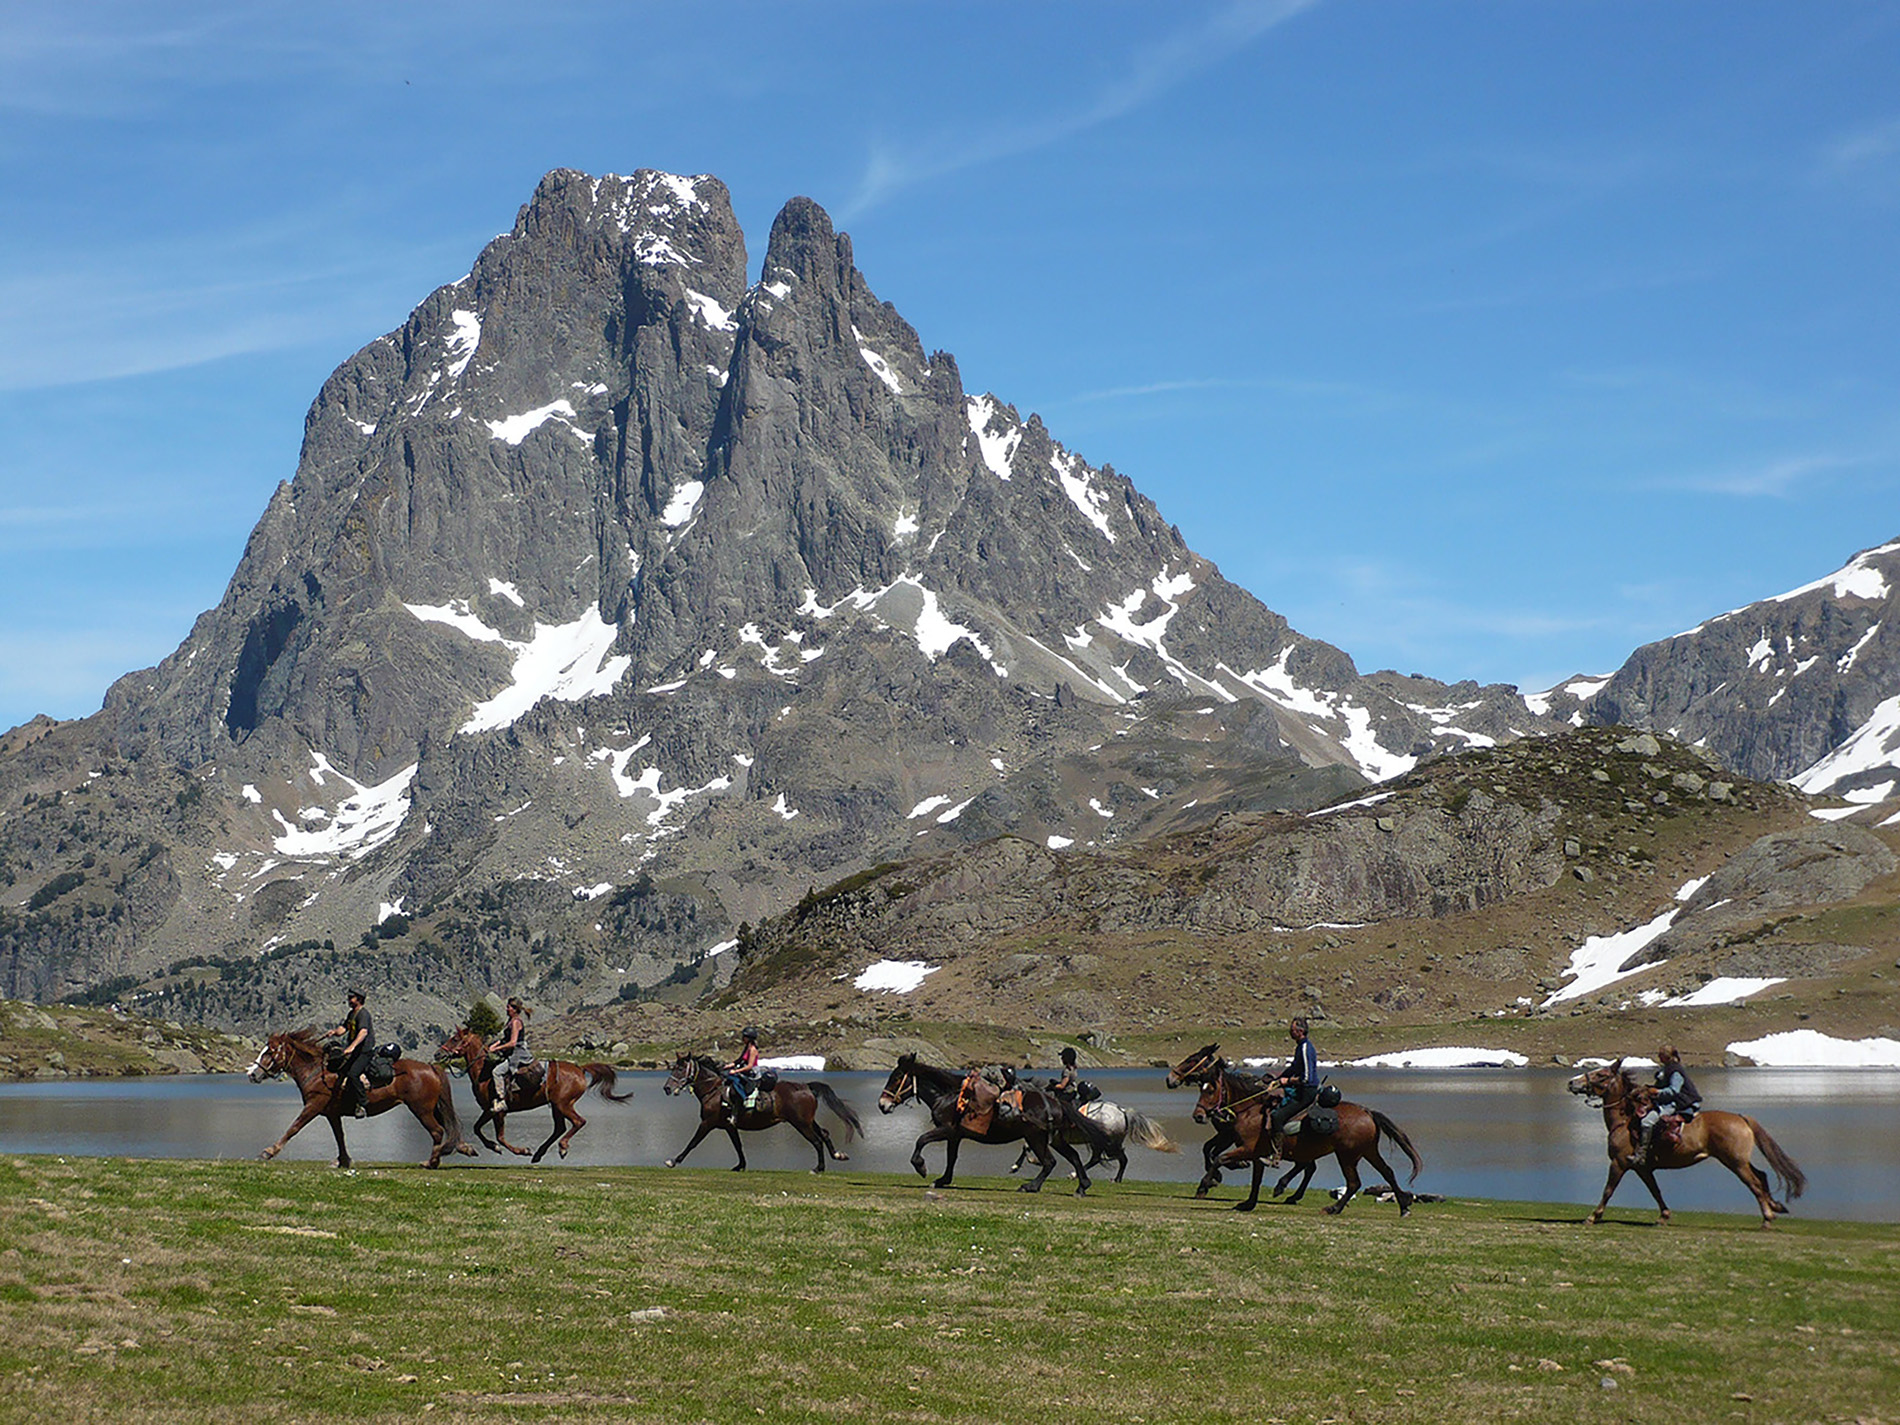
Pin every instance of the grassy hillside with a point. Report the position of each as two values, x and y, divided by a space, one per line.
243 1292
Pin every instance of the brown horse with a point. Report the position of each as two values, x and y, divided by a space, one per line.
1729 1138
785 1102
421 1088
1044 1122
1250 1101
560 1086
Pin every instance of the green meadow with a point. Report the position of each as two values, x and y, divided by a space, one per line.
192 1291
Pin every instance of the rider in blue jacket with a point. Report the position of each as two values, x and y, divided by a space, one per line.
1298 1081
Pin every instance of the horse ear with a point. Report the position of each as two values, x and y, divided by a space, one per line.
1617 1067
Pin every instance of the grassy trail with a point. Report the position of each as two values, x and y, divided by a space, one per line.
188 1291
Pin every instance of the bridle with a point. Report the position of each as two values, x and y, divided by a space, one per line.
893 1097
685 1074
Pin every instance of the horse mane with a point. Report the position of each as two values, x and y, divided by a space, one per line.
309 1037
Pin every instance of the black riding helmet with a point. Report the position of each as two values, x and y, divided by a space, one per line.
1068 1057
749 1032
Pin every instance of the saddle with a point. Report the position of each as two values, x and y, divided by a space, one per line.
1314 1121
979 1101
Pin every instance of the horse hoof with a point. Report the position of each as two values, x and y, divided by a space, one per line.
840 1157
672 1162
1243 1207
1029 1187
563 1150
738 1167
1333 1209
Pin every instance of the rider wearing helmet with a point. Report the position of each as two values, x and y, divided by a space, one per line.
1069 1083
740 1073
1298 1082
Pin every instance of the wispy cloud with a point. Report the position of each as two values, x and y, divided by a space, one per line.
1147 76
1779 479
1867 158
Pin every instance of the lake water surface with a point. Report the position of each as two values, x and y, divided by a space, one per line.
1483 1132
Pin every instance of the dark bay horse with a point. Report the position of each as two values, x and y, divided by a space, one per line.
1043 1122
1729 1138
560 1086
421 1088
787 1101
1192 1070
1250 1100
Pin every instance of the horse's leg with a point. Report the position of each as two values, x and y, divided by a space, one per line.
574 1119
560 1122
1061 1145
342 1148
1038 1142
1403 1197
1648 1175
1349 1165
1210 1153
705 1127
312 1107
1304 1172
732 1132
487 1117
929 1135
950 1144
1253 1197
1617 1170
809 1130
425 1115
1021 1158
1743 1166
1121 1159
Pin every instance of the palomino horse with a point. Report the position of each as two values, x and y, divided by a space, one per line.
421 1088
786 1102
1118 1126
1043 1122
1250 1101
561 1085
1730 1138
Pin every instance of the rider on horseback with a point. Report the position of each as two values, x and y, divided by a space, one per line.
1298 1083
512 1055
741 1081
1070 1084
355 1031
1676 1094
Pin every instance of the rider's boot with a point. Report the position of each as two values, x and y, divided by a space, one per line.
1276 1148
362 1097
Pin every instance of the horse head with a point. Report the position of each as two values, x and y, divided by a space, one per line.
1195 1066
462 1044
901 1086
1601 1085
269 1062
680 1077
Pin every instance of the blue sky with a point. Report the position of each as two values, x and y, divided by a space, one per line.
1483 340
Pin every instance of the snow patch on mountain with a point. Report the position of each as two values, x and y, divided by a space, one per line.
364 820
1077 482
515 429
998 447
462 342
1873 747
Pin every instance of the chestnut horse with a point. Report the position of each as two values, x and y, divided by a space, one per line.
1729 1138
1250 1101
785 1102
1044 1122
560 1086
421 1088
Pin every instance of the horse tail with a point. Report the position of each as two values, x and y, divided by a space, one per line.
1149 1134
1794 1181
446 1115
1397 1135
604 1077
822 1092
